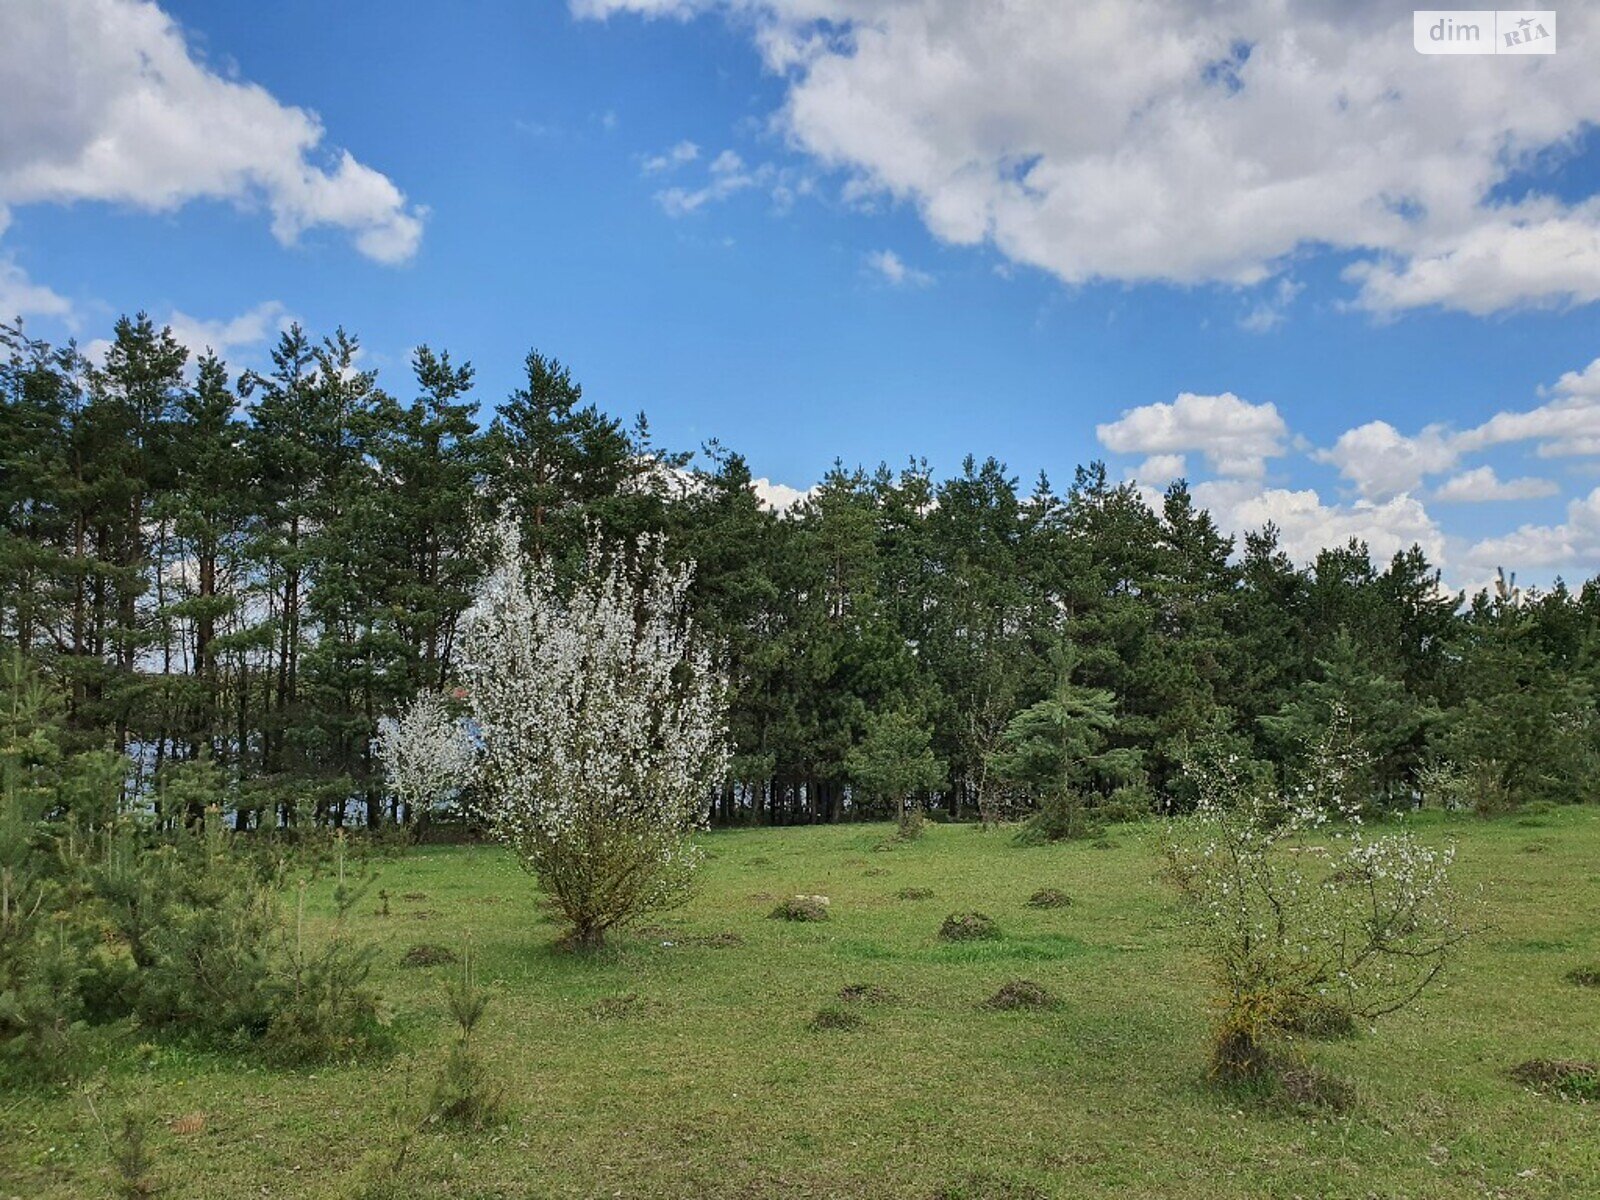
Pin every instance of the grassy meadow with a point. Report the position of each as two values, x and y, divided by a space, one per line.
685 1060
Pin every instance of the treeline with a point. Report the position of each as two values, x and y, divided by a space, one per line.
253 569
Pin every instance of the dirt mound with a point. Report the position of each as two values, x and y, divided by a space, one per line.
801 908
865 993
1021 994
428 955
968 927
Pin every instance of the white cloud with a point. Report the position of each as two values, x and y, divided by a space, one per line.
1566 425
105 102
1306 524
1160 469
1271 311
1189 142
1509 259
889 265
1235 436
728 174
779 497
1581 383
1382 462
225 336
1482 484
21 297
1575 543
677 156
247 329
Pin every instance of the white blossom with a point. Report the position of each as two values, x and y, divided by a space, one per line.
1294 900
427 754
603 722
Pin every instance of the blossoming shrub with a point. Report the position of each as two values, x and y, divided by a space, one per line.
426 753
1299 908
603 724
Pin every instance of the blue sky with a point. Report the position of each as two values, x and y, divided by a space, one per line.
900 230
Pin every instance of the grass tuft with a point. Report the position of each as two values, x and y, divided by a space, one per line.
1569 1078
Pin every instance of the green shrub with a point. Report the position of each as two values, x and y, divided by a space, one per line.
322 1008
1568 1078
465 1093
128 1147
1317 1017
41 1009
1061 817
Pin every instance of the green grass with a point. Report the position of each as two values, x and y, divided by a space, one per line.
714 1083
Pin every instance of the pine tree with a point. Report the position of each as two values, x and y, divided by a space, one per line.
1057 749
1379 717
207 513
554 460
893 762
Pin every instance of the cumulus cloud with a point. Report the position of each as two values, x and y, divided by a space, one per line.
1188 142
104 101
1510 259
1306 524
1160 469
1573 543
1235 436
1568 424
1581 383
779 497
21 297
894 270
1481 484
1381 461
223 336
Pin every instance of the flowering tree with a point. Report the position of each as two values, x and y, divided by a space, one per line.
603 724
1302 912
426 752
